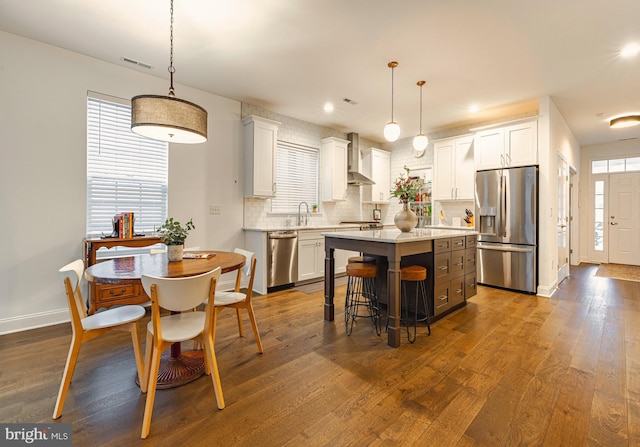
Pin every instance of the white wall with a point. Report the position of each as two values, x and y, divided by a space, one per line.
554 136
43 171
617 149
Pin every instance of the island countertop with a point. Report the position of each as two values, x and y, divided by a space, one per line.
393 235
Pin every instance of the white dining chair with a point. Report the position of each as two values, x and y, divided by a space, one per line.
239 300
181 295
86 328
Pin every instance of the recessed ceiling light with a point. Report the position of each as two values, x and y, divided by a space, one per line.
624 121
630 50
328 107
473 108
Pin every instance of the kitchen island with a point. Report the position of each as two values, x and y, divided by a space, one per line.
394 249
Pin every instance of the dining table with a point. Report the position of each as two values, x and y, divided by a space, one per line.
178 366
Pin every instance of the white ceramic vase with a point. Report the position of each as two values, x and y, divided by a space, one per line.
174 252
405 219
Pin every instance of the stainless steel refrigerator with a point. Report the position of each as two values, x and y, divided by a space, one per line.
507 222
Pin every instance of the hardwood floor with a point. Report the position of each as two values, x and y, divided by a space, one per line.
509 369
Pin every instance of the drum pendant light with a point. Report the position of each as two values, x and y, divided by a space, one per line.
420 141
167 118
392 129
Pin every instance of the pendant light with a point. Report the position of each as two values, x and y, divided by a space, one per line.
392 129
420 141
167 118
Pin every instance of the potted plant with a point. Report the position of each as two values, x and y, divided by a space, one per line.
405 189
173 234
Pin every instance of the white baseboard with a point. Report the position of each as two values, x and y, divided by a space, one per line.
548 291
33 321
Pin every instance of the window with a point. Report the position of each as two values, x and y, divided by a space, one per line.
598 241
615 165
125 172
296 178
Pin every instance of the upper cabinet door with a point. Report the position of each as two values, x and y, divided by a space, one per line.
453 169
464 169
260 146
521 140
376 164
333 165
489 149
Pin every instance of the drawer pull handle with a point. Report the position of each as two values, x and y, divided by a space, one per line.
472 286
442 297
443 267
459 243
113 292
459 291
459 263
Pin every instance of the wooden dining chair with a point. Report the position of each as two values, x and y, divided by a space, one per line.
86 328
180 296
238 300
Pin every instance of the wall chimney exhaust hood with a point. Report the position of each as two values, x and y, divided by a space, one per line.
354 176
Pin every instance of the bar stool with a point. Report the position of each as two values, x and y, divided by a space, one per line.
418 275
361 293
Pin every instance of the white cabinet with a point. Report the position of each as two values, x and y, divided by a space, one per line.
310 255
507 146
453 168
333 166
260 145
376 164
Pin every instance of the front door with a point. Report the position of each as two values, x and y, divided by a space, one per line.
624 218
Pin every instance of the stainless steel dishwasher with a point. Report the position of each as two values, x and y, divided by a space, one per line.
283 258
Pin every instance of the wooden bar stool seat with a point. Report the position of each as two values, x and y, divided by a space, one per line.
362 297
361 259
418 275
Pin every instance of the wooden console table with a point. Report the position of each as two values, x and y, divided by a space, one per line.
103 294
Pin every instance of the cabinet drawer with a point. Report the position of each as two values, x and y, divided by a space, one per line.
471 241
441 267
442 245
457 263
115 292
470 261
441 299
470 285
456 291
457 243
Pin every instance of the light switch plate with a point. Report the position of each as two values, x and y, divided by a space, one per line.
215 209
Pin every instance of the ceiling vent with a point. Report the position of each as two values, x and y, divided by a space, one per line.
138 63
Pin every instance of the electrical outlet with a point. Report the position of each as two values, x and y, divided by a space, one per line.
215 209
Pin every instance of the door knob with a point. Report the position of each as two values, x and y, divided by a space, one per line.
614 223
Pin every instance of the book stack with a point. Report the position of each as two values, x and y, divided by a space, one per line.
123 222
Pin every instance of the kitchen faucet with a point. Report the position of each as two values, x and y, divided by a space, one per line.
306 216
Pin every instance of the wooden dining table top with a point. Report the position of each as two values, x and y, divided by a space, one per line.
130 268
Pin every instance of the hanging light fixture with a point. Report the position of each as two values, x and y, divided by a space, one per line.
420 141
392 129
624 121
167 118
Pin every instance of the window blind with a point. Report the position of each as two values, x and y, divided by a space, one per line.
125 172
296 177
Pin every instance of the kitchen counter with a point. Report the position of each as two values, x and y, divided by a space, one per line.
392 250
302 227
393 235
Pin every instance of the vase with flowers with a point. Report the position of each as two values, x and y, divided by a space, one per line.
405 189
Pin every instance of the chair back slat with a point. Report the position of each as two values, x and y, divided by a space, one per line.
180 294
72 277
246 270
